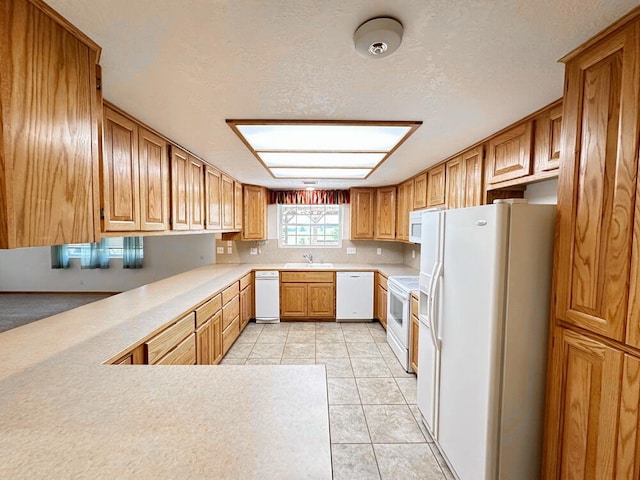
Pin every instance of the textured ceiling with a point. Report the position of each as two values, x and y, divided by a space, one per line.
466 68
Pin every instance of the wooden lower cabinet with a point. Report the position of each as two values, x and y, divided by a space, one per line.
413 343
380 299
183 354
307 295
216 338
583 401
204 344
230 334
246 305
133 357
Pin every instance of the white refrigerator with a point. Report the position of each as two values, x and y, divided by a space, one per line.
485 286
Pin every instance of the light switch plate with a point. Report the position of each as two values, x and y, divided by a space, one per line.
378 251
229 250
220 250
253 251
229 243
351 250
413 254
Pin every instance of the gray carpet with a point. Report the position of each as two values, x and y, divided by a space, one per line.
18 309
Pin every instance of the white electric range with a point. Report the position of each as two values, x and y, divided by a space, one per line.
399 290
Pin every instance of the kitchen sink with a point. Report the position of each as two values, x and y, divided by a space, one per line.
306 266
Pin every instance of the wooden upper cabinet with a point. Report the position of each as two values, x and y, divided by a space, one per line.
628 447
420 191
179 189
362 212
196 201
120 181
436 186
473 174
509 154
255 213
547 139
213 198
227 203
385 218
237 206
454 181
582 408
405 206
49 183
597 184
154 185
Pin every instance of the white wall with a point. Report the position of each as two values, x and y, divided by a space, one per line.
29 269
543 192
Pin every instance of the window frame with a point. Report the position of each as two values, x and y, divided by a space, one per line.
280 226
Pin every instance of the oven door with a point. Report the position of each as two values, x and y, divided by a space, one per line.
398 303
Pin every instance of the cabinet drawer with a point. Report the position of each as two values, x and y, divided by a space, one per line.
165 341
230 292
230 334
414 305
230 311
183 354
382 281
208 310
307 277
245 281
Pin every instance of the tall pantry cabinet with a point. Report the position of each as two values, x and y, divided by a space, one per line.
593 393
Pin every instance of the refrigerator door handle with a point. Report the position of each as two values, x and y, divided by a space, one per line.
434 338
435 279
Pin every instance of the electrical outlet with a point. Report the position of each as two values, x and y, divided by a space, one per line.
253 251
229 243
229 250
378 251
220 250
351 250
413 254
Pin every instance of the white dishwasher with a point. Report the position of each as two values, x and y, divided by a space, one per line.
354 296
267 296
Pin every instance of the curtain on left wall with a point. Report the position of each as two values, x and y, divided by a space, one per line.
59 256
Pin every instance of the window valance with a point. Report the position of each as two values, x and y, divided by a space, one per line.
308 197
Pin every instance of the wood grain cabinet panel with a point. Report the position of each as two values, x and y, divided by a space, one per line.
307 295
154 184
255 213
204 345
385 218
420 192
216 338
597 185
472 167
293 299
183 354
436 186
382 305
49 183
321 298
120 173
509 154
237 206
165 341
227 203
179 189
196 195
246 306
582 412
413 343
628 446
547 140
454 181
362 213
213 198
405 206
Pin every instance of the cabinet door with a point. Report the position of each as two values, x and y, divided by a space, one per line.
628 448
49 144
237 206
436 190
382 306
454 183
597 184
547 135
509 154
120 183
227 203
179 189
154 181
362 210
413 343
582 412
420 192
196 194
293 299
472 171
216 338
405 205
385 224
204 353
245 306
321 300
255 213
213 198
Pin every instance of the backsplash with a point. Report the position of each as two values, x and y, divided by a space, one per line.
412 255
269 252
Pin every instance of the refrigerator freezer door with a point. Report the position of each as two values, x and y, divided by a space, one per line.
431 247
428 380
470 329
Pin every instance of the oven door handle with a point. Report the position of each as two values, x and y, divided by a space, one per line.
397 292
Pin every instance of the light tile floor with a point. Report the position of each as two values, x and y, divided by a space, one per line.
376 430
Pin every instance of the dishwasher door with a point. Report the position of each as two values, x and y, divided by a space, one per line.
354 296
267 297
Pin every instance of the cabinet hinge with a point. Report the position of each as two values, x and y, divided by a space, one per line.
102 213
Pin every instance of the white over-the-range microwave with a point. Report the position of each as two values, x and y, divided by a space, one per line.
415 224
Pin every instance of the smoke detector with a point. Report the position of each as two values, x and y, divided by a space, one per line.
378 37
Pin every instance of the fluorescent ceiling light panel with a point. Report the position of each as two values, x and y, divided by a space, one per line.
322 148
320 159
320 172
310 138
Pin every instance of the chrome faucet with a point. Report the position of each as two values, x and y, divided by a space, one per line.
309 257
